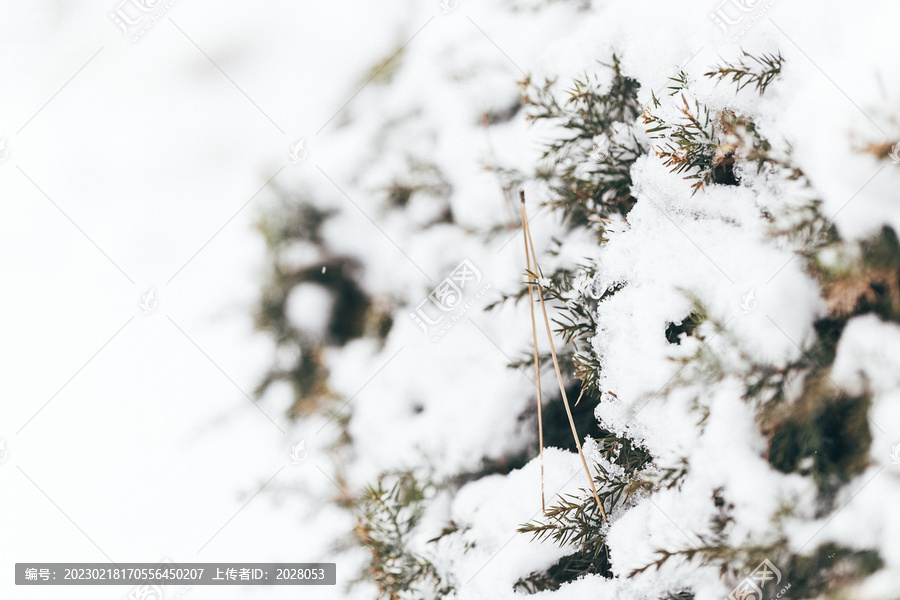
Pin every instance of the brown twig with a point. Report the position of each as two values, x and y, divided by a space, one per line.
562 388
537 363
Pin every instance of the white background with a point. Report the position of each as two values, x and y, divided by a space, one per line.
138 446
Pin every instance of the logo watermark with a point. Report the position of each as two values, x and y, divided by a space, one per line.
136 17
155 592
599 152
4 153
748 302
448 5
736 17
299 453
4 453
146 591
148 302
298 153
582 163
895 454
895 154
751 587
456 294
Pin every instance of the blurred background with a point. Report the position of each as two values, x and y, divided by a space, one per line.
135 174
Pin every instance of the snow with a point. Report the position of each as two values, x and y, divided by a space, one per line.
158 160
306 305
500 556
715 246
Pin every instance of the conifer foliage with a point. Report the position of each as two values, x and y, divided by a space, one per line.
810 428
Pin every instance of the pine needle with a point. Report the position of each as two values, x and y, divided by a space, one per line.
580 395
562 388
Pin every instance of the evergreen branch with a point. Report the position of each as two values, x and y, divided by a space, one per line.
758 71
